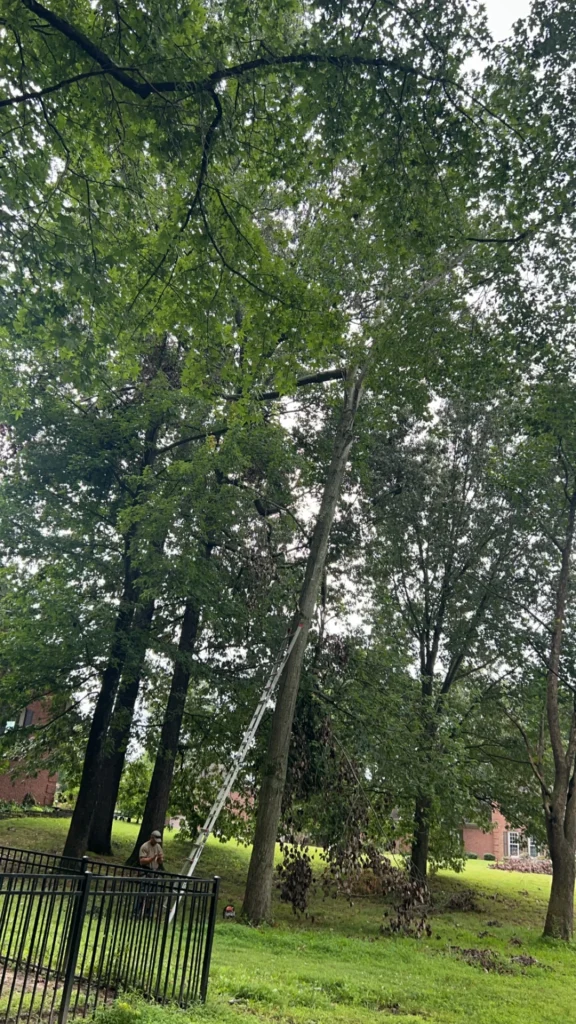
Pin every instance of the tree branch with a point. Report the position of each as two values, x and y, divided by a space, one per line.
38 94
533 764
312 378
84 43
144 89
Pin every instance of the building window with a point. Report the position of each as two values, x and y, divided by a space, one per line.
513 844
28 717
532 848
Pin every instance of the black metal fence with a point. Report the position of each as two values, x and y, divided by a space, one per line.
72 942
14 861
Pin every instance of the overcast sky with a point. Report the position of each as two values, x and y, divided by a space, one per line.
503 13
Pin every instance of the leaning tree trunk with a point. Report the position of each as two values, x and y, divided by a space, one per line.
158 798
560 802
258 896
77 839
114 756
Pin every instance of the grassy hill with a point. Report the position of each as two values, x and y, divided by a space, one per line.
335 966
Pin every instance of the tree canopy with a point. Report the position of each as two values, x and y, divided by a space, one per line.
286 338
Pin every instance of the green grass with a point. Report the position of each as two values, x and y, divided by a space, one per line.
335 966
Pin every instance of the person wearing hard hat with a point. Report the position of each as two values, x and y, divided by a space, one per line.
151 853
151 858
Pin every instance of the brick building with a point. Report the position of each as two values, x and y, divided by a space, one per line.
501 841
42 786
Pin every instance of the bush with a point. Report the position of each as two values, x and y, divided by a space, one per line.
471 856
10 809
525 865
489 856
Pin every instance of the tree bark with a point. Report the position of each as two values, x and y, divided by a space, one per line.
158 797
78 834
77 839
118 738
560 803
421 836
559 922
421 839
258 896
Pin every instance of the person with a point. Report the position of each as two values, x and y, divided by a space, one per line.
151 857
151 853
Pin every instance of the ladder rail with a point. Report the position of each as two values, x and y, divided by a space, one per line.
234 770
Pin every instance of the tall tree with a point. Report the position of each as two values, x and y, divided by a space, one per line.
443 553
258 895
544 479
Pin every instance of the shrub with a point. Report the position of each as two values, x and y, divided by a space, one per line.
489 856
10 809
525 865
471 856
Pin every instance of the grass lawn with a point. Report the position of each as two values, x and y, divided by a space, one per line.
334 966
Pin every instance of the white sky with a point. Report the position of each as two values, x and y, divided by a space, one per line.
503 13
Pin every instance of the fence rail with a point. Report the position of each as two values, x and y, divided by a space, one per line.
14 861
71 942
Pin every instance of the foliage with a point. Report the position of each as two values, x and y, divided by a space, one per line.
525 865
295 876
134 787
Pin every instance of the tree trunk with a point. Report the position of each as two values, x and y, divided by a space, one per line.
560 915
258 896
158 797
77 839
421 836
114 755
421 839
560 803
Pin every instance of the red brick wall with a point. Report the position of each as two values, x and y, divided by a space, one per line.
500 828
42 786
479 842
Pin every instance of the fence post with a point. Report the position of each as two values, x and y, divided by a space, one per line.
74 944
209 939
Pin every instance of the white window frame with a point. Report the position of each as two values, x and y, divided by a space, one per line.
532 847
514 844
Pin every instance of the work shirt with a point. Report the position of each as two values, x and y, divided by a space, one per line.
151 850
